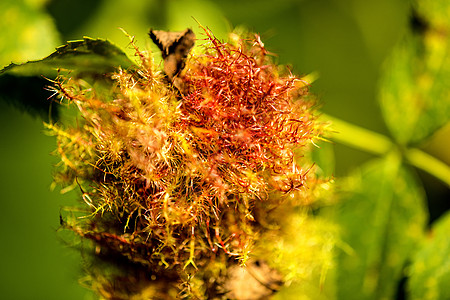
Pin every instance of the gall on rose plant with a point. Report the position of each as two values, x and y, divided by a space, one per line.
185 185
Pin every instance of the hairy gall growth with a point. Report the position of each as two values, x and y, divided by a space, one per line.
179 177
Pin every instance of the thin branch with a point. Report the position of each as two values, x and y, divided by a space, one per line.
378 144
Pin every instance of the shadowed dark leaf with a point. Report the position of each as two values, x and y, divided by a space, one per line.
93 60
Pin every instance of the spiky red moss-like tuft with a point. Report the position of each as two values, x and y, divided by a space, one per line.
244 118
175 180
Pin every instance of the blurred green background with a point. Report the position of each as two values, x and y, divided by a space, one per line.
345 41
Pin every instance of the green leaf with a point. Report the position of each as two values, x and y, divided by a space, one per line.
28 32
91 59
429 275
415 90
435 12
84 58
382 218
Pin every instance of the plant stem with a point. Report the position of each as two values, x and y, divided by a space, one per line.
378 144
429 164
358 137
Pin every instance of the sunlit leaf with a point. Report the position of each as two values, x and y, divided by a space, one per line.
382 218
430 272
27 31
415 90
436 12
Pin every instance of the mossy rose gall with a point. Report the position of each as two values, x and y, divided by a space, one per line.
180 174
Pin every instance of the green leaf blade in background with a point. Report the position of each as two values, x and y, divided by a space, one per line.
382 218
436 12
429 275
414 89
28 32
